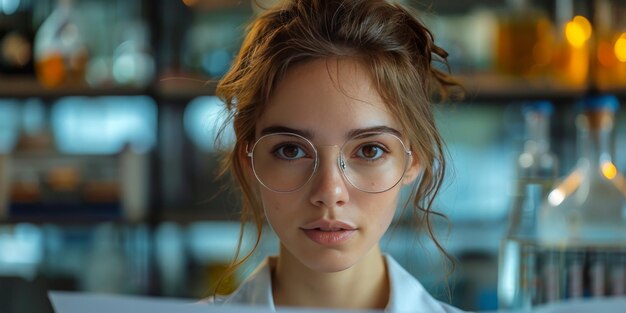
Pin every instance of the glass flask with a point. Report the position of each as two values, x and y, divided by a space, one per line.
581 227
587 208
537 169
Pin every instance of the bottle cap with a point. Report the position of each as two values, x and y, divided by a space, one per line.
599 103
541 106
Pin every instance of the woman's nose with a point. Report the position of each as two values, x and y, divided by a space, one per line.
329 187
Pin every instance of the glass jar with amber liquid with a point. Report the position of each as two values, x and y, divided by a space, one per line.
610 51
61 55
524 40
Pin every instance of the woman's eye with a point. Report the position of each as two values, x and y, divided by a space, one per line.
290 152
370 152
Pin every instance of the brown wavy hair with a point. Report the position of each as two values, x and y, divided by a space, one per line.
395 48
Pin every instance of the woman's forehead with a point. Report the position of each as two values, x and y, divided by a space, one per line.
326 98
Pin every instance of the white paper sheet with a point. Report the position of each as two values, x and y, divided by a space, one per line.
76 302
592 305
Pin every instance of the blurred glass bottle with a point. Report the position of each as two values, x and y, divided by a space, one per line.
572 47
60 52
524 40
582 223
537 169
16 38
610 61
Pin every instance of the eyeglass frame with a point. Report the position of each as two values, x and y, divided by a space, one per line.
340 160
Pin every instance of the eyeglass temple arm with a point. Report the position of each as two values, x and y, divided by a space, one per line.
248 153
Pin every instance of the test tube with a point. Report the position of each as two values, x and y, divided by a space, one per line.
527 276
551 276
575 277
598 274
618 274
532 278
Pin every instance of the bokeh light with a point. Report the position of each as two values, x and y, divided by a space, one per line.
9 7
578 31
620 48
609 170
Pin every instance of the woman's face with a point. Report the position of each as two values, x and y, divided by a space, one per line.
328 224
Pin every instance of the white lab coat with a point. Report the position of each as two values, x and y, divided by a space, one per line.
407 295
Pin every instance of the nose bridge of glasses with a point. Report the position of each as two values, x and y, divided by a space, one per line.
330 167
330 156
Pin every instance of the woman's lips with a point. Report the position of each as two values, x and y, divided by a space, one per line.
329 225
329 237
329 232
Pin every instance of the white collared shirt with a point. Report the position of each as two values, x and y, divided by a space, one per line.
407 295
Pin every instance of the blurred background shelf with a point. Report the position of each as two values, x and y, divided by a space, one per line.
487 87
479 87
28 87
168 88
185 87
502 89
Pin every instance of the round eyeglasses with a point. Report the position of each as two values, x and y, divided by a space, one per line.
372 162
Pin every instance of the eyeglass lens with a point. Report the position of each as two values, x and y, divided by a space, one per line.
371 162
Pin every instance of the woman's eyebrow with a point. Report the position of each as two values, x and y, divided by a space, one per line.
375 129
309 134
284 129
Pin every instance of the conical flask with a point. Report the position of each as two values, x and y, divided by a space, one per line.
588 208
537 168
581 230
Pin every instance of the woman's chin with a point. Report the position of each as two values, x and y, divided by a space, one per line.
330 263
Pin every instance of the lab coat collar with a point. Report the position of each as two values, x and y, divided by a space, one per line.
406 293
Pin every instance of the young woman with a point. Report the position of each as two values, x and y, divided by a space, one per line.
330 102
